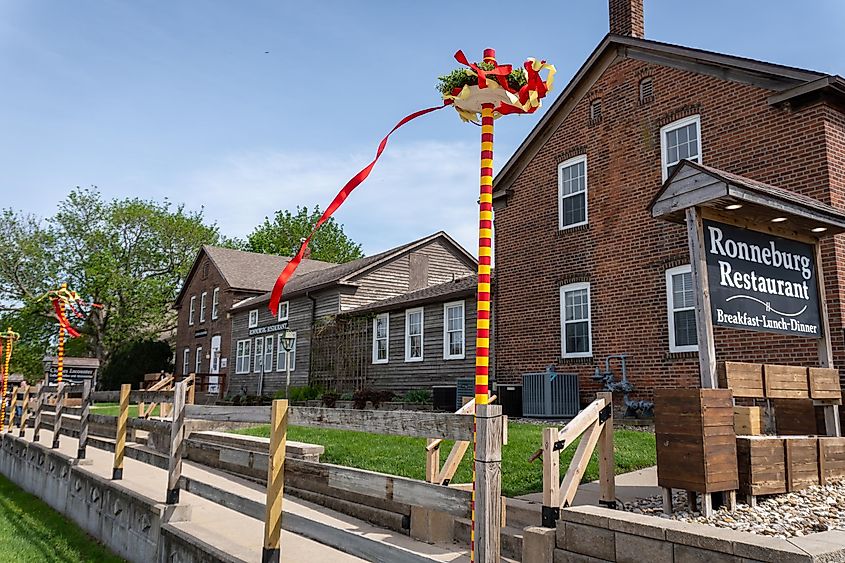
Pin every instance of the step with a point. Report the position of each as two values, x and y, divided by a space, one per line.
523 513
511 538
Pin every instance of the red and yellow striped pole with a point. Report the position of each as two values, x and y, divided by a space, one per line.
9 338
60 360
485 253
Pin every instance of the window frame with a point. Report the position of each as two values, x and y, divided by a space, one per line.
247 348
664 149
670 309
560 197
279 316
269 338
215 303
191 310
408 313
186 361
282 353
386 359
252 321
198 360
203 295
563 322
447 355
258 355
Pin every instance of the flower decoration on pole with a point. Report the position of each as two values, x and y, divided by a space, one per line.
66 302
7 342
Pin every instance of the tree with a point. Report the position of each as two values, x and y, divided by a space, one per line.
130 255
131 361
283 236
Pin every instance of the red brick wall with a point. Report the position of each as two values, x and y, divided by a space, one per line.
623 252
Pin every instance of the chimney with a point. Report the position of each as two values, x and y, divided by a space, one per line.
626 18
307 254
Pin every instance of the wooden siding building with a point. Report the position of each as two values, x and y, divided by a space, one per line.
333 347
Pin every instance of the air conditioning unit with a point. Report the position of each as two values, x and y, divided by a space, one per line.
550 395
466 388
443 397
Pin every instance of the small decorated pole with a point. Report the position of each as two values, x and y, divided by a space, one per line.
8 339
60 360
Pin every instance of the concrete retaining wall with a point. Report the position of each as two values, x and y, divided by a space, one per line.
130 524
595 534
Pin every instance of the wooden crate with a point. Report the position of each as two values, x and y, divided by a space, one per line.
696 444
786 382
761 463
824 384
743 379
802 462
748 421
795 417
831 459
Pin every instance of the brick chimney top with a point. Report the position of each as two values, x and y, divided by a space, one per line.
626 18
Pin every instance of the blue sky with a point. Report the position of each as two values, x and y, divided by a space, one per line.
248 107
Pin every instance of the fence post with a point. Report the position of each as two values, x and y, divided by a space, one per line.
13 403
83 419
120 436
57 423
39 407
607 460
488 482
432 462
275 482
551 478
177 435
24 410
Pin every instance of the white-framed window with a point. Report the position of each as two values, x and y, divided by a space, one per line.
680 306
381 338
268 352
282 357
242 356
575 324
198 360
186 361
453 331
258 352
203 295
253 318
680 140
215 303
414 335
191 310
284 310
572 192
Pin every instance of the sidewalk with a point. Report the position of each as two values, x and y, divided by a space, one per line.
629 486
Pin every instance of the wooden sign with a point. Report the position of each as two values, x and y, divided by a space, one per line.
761 282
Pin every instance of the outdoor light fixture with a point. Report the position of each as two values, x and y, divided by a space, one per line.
778 219
819 229
288 342
733 206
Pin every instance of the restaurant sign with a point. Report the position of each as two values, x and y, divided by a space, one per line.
268 329
761 282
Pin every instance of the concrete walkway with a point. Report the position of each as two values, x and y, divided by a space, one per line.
240 535
629 486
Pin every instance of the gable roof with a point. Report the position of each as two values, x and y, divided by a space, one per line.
248 271
344 274
466 285
780 79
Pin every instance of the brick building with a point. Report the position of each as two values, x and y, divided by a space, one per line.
219 278
582 269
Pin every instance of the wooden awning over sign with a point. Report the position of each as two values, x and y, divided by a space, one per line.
695 185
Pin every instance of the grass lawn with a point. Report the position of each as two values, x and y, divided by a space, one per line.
31 531
400 455
113 409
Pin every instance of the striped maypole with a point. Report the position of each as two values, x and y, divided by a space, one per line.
60 361
485 253
9 338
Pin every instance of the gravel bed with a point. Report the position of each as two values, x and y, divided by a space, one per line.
815 509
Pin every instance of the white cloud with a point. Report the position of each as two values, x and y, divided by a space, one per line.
415 189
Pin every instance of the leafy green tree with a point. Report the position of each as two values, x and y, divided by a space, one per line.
131 255
284 234
131 361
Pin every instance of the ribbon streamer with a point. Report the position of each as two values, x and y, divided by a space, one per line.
338 200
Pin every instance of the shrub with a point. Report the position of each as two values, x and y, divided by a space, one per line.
306 393
346 396
330 399
361 397
417 396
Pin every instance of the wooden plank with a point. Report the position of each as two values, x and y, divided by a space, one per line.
432 462
25 409
748 421
786 382
582 421
744 379
453 460
607 458
275 480
578 465
120 435
468 408
824 383
241 505
701 296
824 343
488 483
177 446
551 471
801 463
401 423
83 419
795 417
36 430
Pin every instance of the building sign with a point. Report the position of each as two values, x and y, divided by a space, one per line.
269 328
761 282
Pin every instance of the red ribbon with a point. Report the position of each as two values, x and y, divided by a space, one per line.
341 196
501 72
60 313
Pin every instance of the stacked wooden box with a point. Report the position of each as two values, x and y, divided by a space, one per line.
696 444
748 421
831 459
762 465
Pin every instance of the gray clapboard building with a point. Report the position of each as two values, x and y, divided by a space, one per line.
401 319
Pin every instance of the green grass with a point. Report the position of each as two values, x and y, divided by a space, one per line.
404 456
113 409
31 531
